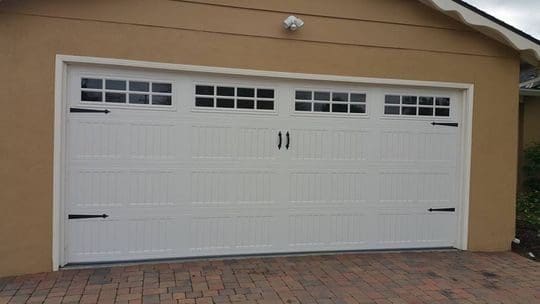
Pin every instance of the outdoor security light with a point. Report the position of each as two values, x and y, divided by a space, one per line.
293 23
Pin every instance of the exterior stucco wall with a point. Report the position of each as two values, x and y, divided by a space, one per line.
529 131
367 38
531 120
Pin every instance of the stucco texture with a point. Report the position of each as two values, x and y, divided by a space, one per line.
368 38
531 120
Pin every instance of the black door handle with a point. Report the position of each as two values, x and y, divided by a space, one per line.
279 141
442 209
86 216
79 110
288 141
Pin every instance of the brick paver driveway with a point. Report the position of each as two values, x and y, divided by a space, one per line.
409 277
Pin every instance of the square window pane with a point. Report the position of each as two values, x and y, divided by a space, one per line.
245 104
410 100
204 102
91 96
340 97
358 108
321 107
162 87
392 99
443 101
204 90
358 97
265 104
303 95
425 111
265 93
139 98
426 101
91 83
162 100
225 91
115 97
139 86
442 112
115 84
408 111
245 92
302 106
339 108
225 103
391 110
324 96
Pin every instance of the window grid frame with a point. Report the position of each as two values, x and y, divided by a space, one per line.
417 106
150 93
331 102
235 98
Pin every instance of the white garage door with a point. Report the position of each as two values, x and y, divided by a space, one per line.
188 164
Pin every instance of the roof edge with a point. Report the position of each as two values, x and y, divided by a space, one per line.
531 82
527 45
498 21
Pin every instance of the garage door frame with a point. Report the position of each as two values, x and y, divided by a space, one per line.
61 71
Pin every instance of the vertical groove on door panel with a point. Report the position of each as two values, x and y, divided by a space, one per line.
212 142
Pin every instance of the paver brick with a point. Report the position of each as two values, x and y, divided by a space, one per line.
395 278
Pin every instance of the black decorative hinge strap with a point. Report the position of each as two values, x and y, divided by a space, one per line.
448 124
442 209
79 110
86 216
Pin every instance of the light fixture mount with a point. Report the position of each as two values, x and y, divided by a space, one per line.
293 23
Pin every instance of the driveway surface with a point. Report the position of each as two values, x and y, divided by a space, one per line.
406 277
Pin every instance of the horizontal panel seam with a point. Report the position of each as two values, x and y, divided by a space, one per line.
249 35
325 16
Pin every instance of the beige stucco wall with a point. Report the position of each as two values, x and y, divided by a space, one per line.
531 120
529 131
370 38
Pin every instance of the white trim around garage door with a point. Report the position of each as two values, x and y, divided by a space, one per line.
62 62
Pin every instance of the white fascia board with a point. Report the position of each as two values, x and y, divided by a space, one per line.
529 50
529 92
530 83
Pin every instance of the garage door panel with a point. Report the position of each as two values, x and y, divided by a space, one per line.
229 186
257 143
334 145
349 145
119 237
437 147
187 181
218 142
128 188
152 236
95 239
398 145
213 142
436 187
153 141
412 186
425 146
415 228
309 144
90 188
121 140
323 229
232 233
91 139
324 187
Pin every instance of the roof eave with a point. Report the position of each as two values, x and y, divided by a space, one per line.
526 45
529 92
